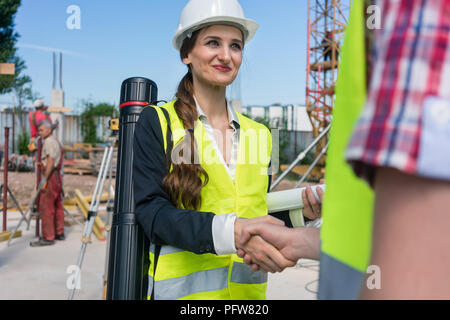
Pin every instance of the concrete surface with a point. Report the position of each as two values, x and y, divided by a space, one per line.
28 273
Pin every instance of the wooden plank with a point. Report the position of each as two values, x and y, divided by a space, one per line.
80 172
15 208
300 170
324 66
69 202
59 109
7 68
4 236
98 233
99 225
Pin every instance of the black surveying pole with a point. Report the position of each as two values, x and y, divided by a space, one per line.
128 254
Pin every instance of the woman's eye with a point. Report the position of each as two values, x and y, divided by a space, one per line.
236 46
212 43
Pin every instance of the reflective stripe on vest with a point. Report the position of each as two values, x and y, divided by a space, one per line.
184 275
347 210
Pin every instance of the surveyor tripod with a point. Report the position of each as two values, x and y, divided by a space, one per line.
27 215
105 170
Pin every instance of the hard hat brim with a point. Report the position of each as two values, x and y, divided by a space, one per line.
247 26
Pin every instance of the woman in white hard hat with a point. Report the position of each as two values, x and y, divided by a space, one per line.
196 182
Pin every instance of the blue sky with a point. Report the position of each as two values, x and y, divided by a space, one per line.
120 39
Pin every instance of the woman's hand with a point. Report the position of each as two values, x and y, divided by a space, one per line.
312 209
294 244
262 253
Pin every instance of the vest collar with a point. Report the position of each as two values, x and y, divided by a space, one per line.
232 116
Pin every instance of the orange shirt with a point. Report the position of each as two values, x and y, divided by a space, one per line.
39 116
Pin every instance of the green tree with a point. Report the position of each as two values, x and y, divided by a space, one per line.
283 138
19 84
8 39
88 126
22 141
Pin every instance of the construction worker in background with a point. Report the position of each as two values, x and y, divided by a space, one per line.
329 46
51 209
395 227
195 185
34 118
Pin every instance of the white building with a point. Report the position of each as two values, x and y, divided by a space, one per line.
288 117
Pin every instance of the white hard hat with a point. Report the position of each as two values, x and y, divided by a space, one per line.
39 103
201 13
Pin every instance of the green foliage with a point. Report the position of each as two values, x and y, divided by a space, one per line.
262 121
21 84
88 126
22 142
8 39
18 83
283 138
309 159
283 144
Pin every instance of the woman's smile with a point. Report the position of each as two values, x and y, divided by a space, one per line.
222 68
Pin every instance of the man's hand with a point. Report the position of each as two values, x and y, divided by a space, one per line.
265 255
293 244
43 184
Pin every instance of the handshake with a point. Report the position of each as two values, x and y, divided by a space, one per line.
266 244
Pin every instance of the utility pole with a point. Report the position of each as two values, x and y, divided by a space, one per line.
57 105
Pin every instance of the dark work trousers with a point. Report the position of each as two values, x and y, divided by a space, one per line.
51 208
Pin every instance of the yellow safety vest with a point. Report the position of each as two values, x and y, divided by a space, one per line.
347 210
181 274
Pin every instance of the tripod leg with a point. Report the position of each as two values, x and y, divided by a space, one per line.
109 213
68 214
24 217
93 212
17 228
85 240
18 207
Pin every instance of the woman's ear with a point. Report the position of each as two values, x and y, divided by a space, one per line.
186 60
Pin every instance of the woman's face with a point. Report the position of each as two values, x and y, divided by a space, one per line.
217 55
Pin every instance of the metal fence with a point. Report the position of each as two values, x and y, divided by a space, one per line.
72 128
292 143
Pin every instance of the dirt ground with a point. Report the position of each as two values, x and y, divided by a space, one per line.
23 185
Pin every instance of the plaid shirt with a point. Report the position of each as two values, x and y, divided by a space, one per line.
406 121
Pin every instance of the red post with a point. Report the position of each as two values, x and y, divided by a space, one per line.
5 177
318 92
308 55
38 181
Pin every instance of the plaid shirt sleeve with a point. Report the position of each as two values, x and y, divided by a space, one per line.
406 120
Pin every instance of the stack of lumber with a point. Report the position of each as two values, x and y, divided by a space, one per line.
96 156
78 165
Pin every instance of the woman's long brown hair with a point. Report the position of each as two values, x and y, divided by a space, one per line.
184 184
